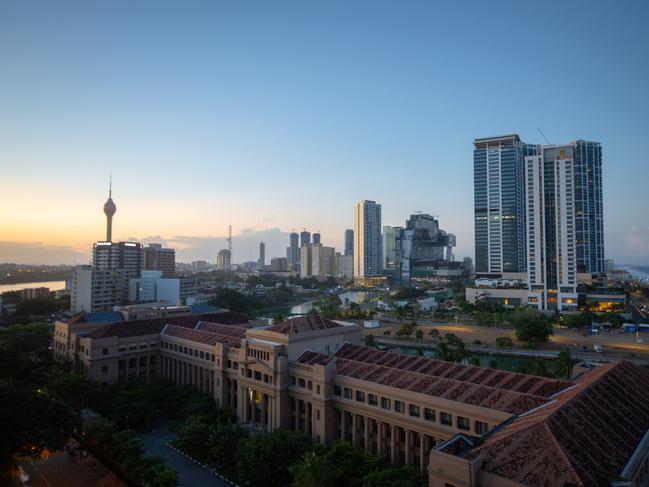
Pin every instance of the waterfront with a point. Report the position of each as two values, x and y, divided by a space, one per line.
358 297
52 285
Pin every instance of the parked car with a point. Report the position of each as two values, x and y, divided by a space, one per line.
598 348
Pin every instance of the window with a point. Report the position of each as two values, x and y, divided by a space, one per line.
104 368
429 414
309 385
481 428
463 423
413 410
446 418
301 382
399 406
348 393
385 403
104 351
293 380
337 391
360 396
257 375
201 354
372 400
121 349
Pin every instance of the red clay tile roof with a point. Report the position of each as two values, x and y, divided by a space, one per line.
490 388
154 326
310 358
230 330
584 437
303 324
200 336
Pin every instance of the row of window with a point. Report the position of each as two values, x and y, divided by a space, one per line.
189 351
413 409
135 346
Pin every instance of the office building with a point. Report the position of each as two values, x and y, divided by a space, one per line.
306 261
223 260
305 238
349 242
458 425
499 205
279 264
261 263
294 250
322 260
81 289
157 258
344 266
391 252
425 250
367 240
152 286
315 238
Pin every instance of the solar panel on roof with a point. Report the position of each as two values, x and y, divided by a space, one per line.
103 317
204 308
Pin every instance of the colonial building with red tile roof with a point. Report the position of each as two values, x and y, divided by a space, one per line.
460 425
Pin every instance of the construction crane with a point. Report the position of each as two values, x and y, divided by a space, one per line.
546 139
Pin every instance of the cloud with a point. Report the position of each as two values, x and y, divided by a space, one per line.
40 253
637 243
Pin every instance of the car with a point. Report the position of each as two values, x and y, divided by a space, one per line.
598 348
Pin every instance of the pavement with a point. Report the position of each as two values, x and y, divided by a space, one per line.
61 470
190 474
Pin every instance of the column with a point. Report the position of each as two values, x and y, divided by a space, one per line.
246 405
408 447
393 444
423 441
355 430
368 422
343 425
379 439
271 411
264 411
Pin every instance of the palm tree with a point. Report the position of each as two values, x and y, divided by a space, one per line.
369 340
401 313
314 470
564 364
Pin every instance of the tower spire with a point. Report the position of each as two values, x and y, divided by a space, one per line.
109 210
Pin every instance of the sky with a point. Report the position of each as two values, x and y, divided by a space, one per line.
271 116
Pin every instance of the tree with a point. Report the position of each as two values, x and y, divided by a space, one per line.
232 300
504 342
419 334
407 329
401 313
369 340
531 327
278 318
315 470
493 364
563 365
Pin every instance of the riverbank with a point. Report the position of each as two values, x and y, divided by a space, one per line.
52 285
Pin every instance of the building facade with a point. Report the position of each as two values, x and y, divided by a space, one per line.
294 250
499 204
390 257
349 242
446 419
114 264
223 260
367 240
157 258
81 289
261 263
305 238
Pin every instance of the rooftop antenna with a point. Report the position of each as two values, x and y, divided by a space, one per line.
546 139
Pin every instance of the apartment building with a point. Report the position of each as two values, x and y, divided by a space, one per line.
449 420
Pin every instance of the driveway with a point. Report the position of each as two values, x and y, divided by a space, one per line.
189 474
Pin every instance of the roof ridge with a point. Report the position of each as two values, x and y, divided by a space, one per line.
561 451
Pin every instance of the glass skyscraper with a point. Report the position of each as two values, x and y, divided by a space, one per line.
499 204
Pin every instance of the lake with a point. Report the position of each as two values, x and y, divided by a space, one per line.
53 285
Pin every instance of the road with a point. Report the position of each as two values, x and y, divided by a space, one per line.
189 474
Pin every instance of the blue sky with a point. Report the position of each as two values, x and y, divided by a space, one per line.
278 115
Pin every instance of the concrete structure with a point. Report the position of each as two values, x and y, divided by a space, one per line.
261 263
34 292
152 286
391 254
322 260
367 240
305 238
459 425
344 266
499 204
81 289
505 296
551 228
223 262
349 242
315 238
157 258
294 250
109 211
306 259
114 264
279 264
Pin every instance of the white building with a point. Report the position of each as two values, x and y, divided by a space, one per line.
344 266
551 228
367 239
81 289
322 260
152 287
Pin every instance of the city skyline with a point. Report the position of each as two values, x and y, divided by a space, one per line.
203 132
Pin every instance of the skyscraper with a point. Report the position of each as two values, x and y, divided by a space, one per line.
390 259
261 263
223 260
499 204
294 250
349 242
109 210
114 264
305 238
315 238
565 232
589 210
367 239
